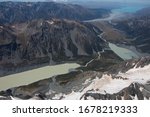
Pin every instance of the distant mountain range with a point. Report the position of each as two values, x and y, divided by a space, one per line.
15 12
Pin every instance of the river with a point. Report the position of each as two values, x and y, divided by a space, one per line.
31 76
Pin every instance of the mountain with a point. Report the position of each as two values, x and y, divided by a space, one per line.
46 41
138 31
56 0
143 12
16 12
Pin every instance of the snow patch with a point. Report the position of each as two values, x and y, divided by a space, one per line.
140 75
58 96
50 22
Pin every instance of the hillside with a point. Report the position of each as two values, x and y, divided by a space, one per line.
138 31
47 41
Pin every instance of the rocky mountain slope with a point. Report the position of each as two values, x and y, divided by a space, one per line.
15 12
46 41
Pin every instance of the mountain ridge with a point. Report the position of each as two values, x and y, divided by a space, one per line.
15 12
47 41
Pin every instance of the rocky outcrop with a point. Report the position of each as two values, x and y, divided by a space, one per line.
129 64
133 92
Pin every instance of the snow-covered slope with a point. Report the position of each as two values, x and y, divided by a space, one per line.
110 84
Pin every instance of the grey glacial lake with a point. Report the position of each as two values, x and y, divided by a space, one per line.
124 53
31 76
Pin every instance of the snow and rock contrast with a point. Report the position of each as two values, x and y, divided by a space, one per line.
108 56
131 83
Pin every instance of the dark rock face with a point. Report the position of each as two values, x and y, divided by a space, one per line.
14 12
46 41
130 93
5 95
